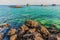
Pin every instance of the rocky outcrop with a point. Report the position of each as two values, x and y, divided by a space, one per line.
31 30
12 34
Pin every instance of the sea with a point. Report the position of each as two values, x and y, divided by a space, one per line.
45 15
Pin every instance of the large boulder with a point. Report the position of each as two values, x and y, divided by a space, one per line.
31 23
34 30
12 34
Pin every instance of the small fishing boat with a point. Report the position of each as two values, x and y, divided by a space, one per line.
17 6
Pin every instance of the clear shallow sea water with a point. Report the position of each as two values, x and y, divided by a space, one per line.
43 14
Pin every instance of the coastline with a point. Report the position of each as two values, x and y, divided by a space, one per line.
33 27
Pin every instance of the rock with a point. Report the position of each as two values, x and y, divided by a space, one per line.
31 23
38 36
13 37
12 31
1 36
38 32
32 30
22 31
52 37
53 25
23 28
44 32
4 25
12 34
52 31
28 37
58 36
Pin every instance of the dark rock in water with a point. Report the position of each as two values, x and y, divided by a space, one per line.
52 31
12 34
1 36
53 26
4 25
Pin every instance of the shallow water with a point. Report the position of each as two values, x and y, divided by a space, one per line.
43 14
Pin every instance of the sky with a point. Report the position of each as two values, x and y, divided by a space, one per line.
32 2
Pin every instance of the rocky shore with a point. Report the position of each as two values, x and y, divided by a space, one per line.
31 30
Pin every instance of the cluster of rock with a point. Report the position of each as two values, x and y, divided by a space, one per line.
2 28
32 30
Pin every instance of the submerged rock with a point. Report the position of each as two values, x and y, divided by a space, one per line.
4 25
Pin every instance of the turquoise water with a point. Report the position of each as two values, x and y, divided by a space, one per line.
42 14
45 15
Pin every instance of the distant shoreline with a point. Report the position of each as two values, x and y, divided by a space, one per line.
30 5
